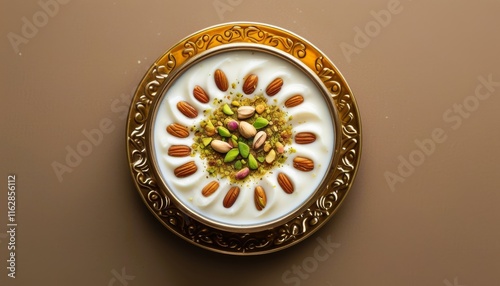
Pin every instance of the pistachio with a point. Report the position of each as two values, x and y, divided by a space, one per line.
220 146
244 149
245 112
285 135
223 131
235 103
259 139
260 108
247 130
279 147
231 155
209 128
234 140
241 174
270 156
260 122
227 110
252 163
232 125
267 147
206 141
238 165
210 131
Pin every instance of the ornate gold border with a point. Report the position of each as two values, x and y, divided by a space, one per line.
268 240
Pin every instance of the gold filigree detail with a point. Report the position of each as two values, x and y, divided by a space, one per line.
237 34
328 76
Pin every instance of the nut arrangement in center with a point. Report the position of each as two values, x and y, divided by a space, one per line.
242 138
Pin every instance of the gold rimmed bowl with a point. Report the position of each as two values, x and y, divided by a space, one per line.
243 138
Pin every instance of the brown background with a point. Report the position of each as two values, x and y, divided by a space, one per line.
438 227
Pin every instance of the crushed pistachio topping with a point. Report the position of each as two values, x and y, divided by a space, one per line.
242 137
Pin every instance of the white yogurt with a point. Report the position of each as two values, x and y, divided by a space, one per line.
312 116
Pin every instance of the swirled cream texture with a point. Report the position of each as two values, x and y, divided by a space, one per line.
312 115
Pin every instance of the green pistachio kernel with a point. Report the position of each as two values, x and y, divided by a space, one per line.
238 165
223 131
209 124
252 163
234 140
227 110
231 155
244 149
206 141
260 122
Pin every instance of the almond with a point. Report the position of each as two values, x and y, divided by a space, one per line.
210 188
185 170
285 183
303 164
260 198
231 197
250 84
178 130
221 80
294 101
305 138
274 87
187 109
200 94
179 151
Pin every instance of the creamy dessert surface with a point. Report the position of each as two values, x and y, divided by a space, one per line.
311 115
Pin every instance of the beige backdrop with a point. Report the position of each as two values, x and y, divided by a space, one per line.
424 206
